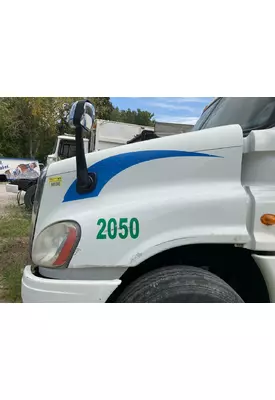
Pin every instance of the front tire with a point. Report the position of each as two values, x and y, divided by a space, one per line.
29 197
179 284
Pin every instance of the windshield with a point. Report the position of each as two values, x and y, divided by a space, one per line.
67 149
249 112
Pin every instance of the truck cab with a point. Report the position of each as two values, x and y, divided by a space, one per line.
65 148
184 218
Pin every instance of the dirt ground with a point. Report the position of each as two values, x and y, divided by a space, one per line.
5 198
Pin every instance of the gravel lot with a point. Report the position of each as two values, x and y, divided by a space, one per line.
5 198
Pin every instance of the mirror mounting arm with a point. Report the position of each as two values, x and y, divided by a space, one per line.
85 182
81 118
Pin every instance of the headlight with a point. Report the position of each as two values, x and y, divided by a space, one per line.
55 245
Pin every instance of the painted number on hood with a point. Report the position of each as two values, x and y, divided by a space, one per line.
121 228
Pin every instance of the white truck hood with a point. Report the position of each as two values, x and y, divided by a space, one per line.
196 141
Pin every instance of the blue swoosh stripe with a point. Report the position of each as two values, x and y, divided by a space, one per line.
109 167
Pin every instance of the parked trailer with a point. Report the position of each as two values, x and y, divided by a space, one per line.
11 167
112 134
21 178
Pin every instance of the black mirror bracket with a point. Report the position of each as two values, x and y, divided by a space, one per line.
88 186
80 120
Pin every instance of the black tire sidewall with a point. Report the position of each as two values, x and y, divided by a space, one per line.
179 284
29 197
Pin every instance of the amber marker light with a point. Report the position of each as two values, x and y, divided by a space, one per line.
268 219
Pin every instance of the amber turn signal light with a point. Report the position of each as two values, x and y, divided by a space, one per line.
268 219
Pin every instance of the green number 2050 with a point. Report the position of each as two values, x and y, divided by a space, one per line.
121 228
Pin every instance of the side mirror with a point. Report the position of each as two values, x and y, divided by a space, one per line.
82 114
82 117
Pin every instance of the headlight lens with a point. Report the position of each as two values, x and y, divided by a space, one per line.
55 245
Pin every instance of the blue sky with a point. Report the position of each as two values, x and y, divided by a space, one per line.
166 109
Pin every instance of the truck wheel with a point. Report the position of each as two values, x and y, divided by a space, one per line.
29 197
179 284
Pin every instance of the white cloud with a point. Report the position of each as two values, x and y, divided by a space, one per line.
176 119
201 100
169 106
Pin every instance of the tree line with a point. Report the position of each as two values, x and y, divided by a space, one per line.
29 125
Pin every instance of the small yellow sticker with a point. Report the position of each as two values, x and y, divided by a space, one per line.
55 181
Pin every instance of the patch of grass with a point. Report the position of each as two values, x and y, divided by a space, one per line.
13 227
13 259
14 238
